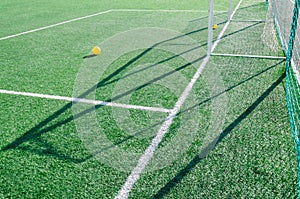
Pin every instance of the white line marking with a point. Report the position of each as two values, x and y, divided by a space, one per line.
54 25
248 56
147 156
87 101
93 15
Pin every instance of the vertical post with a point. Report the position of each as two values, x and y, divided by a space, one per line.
210 26
292 111
229 9
292 34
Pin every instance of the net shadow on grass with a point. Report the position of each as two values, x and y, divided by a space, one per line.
252 6
241 30
192 107
232 87
41 128
206 17
197 159
34 133
168 59
38 130
49 150
226 13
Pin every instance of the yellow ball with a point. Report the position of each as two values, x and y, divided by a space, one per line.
96 50
215 26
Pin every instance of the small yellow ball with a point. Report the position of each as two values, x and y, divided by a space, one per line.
96 50
215 26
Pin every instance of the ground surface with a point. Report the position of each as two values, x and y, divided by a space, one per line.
235 111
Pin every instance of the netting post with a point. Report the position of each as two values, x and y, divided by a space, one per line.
210 26
288 92
229 9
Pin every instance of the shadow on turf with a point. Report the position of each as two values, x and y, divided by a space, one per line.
253 5
232 87
180 175
226 13
192 32
44 127
50 151
196 105
206 17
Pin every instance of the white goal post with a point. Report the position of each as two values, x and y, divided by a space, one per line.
268 36
211 23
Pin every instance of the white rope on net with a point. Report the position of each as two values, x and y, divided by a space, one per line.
269 36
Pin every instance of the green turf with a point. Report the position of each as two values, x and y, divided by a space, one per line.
49 160
45 154
162 68
63 50
32 14
255 158
245 33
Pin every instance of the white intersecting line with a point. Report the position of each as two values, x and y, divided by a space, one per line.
54 25
148 154
92 15
86 101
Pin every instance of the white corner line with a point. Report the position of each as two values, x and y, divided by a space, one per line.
54 25
148 154
86 101
93 15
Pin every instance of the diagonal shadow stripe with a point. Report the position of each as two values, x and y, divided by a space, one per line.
40 128
197 159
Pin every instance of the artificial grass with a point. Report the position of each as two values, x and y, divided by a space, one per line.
254 158
43 155
32 14
59 52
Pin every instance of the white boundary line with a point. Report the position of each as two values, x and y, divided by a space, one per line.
93 15
54 25
86 101
147 156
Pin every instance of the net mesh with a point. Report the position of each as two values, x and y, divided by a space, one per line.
250 22
285 15
269 33
272 34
